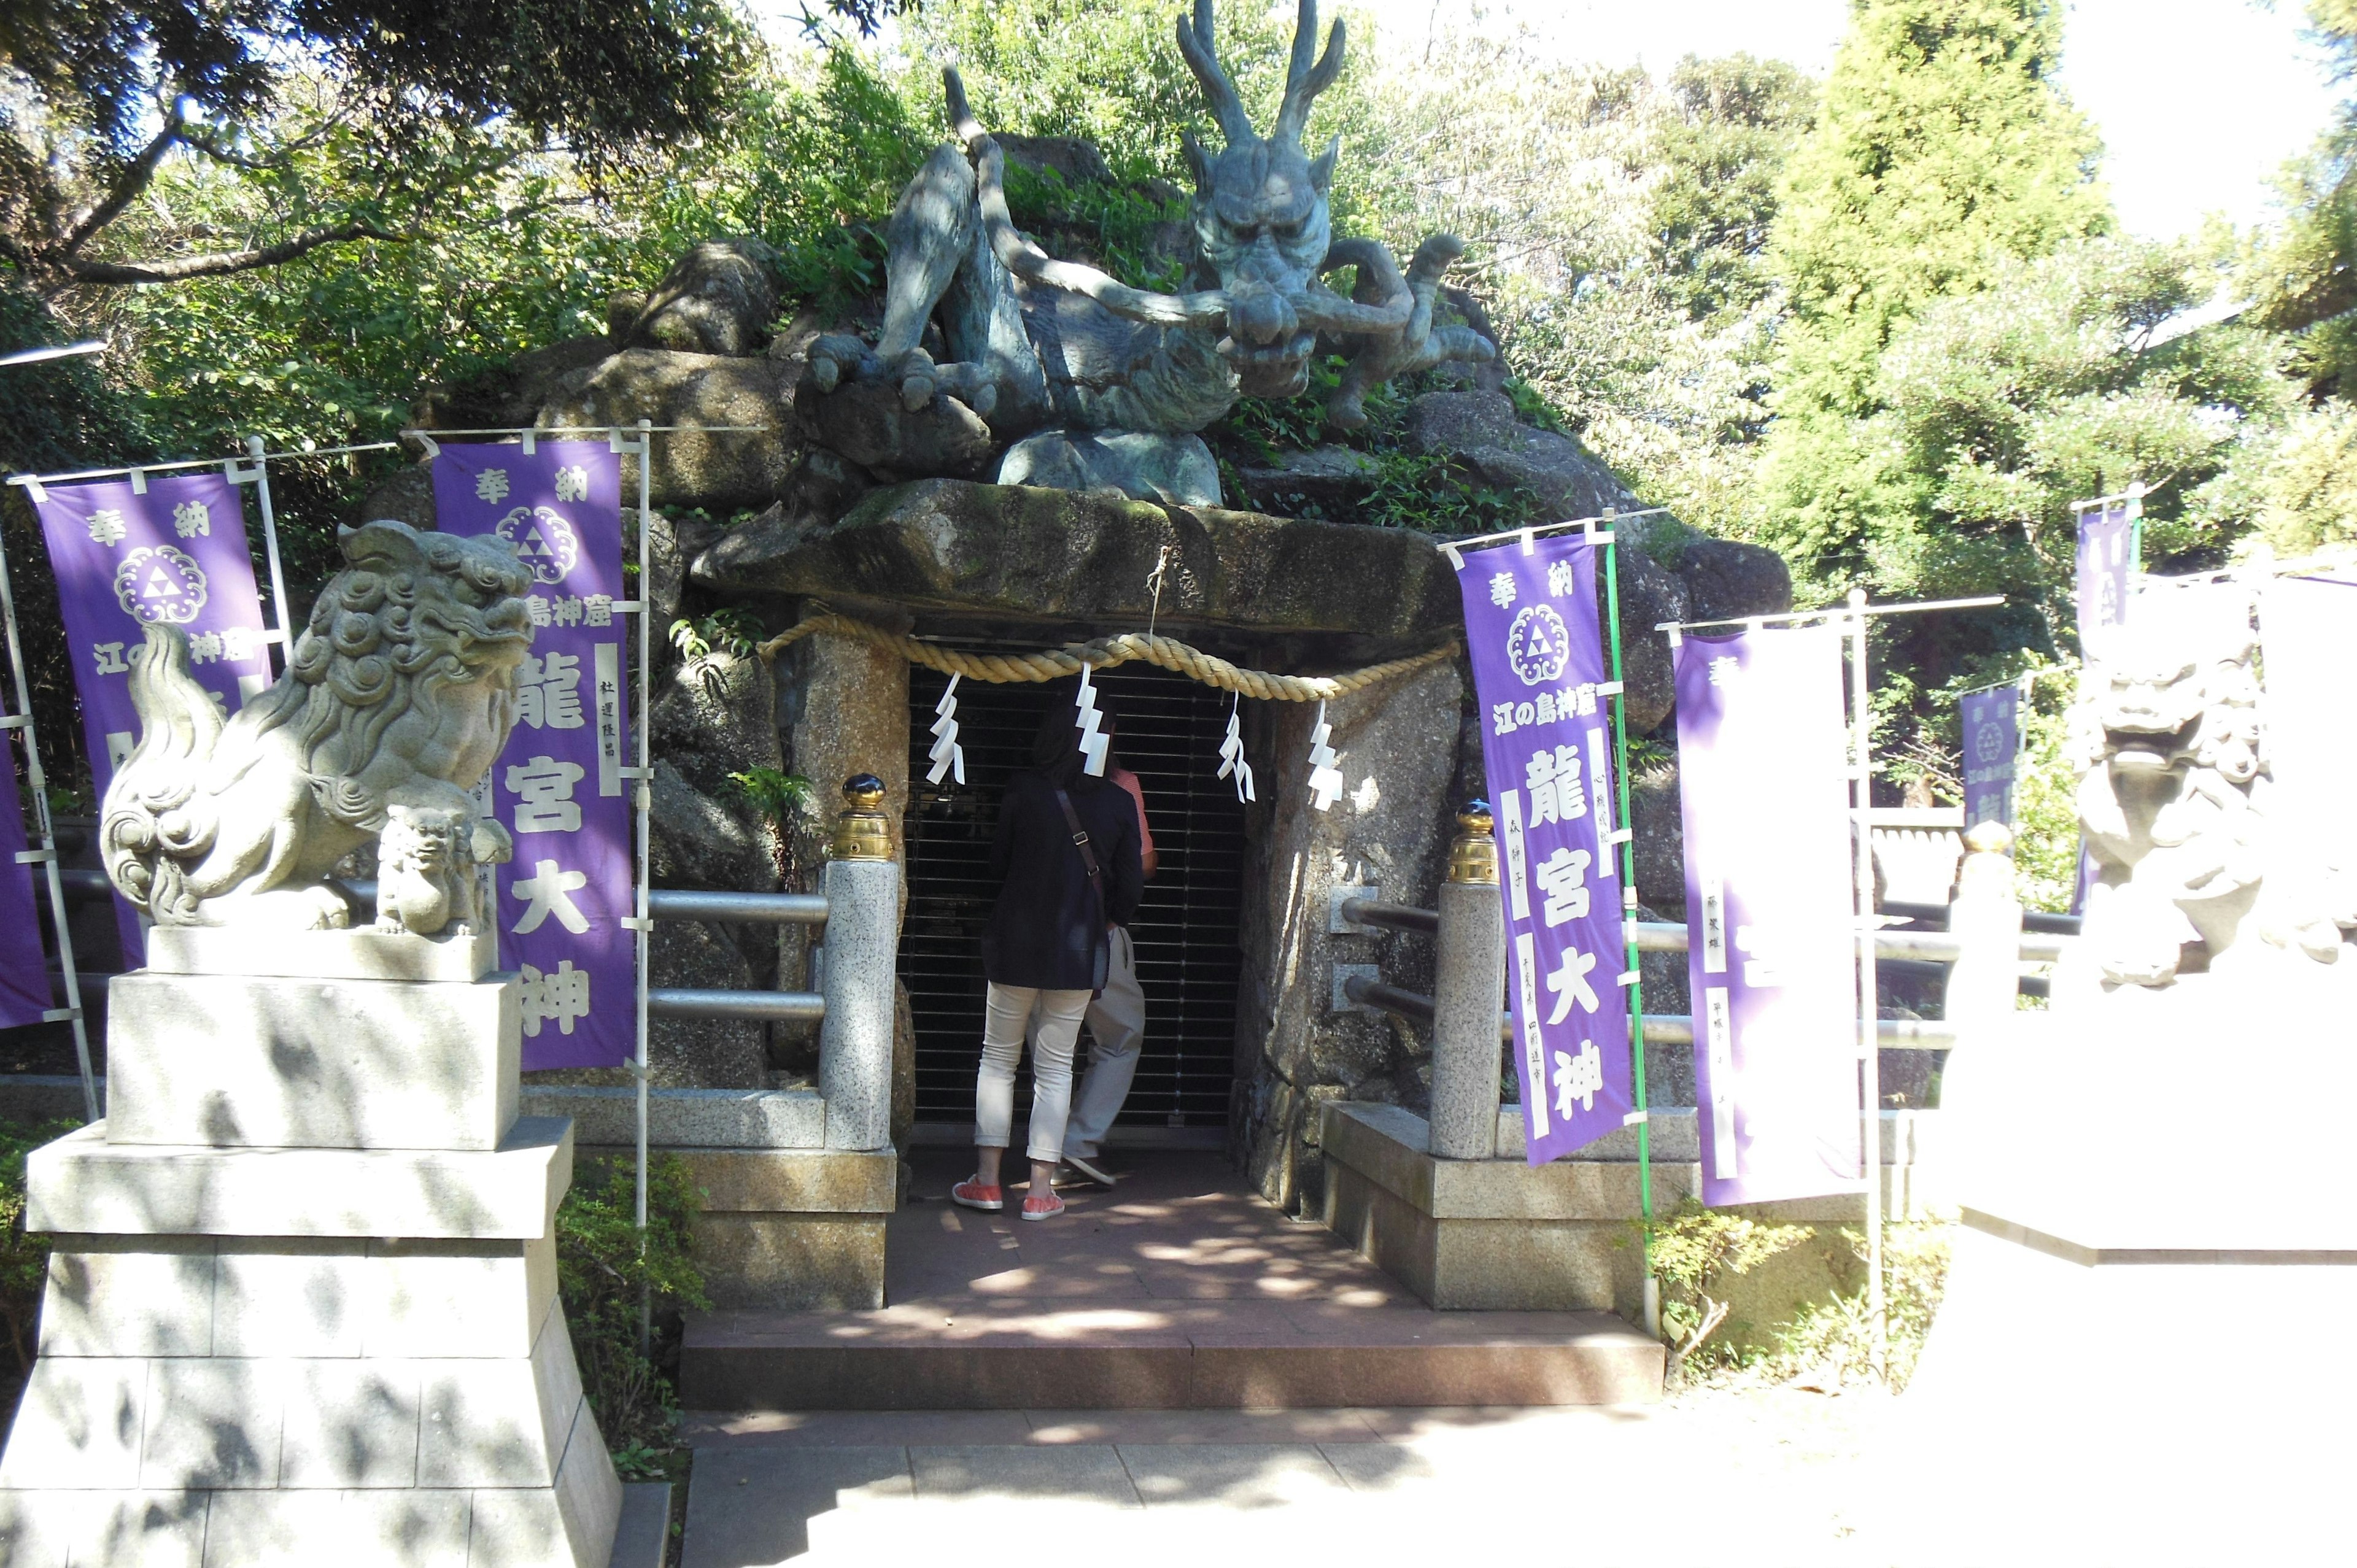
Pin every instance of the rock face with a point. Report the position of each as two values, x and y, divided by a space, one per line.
721 472
1397 746
717 716
1033 554
1479 430
1324 481
716 300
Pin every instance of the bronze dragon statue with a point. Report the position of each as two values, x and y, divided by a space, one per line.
1101 385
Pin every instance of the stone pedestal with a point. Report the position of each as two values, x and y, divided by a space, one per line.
302 1303
2124 1369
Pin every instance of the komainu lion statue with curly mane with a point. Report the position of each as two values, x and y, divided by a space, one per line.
399 694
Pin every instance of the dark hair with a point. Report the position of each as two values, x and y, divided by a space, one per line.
1056 745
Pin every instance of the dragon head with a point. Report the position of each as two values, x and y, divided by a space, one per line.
1260 207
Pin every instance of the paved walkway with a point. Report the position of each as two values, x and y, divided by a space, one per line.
1764 1478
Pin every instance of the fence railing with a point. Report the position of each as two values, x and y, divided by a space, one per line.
1469 979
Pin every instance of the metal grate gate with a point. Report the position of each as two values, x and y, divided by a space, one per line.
1186 929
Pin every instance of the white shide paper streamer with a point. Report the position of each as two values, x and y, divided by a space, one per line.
1232 753
1093 745
1325 779
947 754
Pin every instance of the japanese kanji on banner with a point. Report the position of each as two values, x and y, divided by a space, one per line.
24 970
558 787
1538 661
1771 913
2106 542
177 554
1992 726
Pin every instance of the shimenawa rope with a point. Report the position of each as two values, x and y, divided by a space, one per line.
1007 669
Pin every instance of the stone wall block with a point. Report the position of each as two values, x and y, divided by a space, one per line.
350 1425
499 1422
79 1425
412 1528
289 1296
128 1296
457 1298
213 1423
571 1524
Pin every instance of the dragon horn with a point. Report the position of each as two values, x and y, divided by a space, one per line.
1303 81
1196 45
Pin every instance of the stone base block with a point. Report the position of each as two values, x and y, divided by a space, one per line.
246 1459
238 1061
791 1229
2142 1410
1501 1235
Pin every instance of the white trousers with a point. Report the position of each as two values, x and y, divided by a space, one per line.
1005 1019
1116 1032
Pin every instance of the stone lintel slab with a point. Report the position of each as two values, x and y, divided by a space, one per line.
1027 553
752 1119
361 954
83 1182
242 1061
2139 1240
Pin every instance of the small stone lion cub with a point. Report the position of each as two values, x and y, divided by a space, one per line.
425 872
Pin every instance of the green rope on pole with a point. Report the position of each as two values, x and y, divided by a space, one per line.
1629 881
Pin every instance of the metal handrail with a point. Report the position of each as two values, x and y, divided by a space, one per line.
2031 919
1938 947
663 903
803 1006
1394 916
1918 1034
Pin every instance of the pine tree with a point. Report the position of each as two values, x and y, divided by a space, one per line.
1943 150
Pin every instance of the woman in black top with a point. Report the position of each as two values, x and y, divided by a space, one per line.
1046 947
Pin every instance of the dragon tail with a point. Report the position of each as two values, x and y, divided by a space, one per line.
148 819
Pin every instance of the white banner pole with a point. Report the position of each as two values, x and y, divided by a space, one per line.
253 447
645 801
37 783
1869 1056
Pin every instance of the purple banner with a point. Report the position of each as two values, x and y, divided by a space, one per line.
24 968
2105 541
176 552
1770 891
1991 723
1538 664
558 787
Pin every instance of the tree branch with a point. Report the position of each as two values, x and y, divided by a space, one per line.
217 265
126 186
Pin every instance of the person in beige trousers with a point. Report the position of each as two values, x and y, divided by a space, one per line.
1116 1020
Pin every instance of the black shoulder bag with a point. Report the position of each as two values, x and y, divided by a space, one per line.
1101 950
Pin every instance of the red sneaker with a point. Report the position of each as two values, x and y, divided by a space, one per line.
1042 1206
974 1195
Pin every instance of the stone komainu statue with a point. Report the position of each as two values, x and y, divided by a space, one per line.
398 697
1106 383
2174 796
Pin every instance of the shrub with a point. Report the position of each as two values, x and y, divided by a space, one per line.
603 1273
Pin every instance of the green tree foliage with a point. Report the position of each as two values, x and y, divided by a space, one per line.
113 91
2301 277
1943 149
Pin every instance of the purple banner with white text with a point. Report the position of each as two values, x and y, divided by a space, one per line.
2106 542
24 968
1992 726
174 552
558 787
1771 890
1532 625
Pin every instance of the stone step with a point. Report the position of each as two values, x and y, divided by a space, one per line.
1219 1356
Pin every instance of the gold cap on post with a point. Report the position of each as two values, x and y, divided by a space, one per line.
862 832
1473 857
